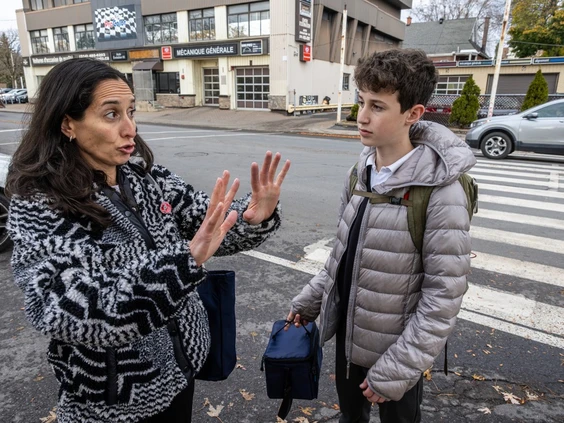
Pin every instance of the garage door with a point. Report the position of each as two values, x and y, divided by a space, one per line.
519 84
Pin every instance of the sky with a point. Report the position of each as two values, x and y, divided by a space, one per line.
8 16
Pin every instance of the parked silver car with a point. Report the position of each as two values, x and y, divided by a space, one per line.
539 129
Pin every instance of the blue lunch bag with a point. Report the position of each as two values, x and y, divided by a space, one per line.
292 363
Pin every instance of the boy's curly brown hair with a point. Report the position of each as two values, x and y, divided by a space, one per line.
408 72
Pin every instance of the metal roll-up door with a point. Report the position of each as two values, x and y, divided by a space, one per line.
519 84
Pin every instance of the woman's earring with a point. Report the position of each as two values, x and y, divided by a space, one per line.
71 138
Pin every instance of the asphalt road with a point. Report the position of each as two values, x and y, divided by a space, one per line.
508 341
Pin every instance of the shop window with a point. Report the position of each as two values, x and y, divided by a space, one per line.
202 24
451 85
84 37
161 29
167 82
346 78
36 4
39 41
248 20
61 37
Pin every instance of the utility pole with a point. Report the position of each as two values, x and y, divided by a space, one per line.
498 57
343 44
14 82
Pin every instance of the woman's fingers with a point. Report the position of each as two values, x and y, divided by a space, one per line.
217 195
283 172
273 167
231 194
265 168
255 184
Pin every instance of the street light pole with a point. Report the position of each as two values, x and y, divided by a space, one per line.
342 68
498 57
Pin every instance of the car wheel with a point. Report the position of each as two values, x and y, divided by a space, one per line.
5 241
496 145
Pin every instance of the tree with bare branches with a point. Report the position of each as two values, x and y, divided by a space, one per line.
11 67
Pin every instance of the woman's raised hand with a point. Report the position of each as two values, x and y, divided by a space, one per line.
210 235
265 189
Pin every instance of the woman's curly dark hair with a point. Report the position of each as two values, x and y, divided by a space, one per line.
45 162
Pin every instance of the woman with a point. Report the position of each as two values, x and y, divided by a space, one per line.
108 252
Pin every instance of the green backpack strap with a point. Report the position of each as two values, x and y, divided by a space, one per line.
417 214
353 179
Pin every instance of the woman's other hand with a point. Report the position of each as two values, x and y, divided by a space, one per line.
265 190
215 225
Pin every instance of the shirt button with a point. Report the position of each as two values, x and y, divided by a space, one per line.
127 213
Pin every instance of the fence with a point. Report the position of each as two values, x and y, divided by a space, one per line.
439 106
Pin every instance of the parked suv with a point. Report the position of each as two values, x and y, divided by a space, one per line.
539 129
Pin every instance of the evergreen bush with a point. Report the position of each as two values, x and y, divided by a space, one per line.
353 113
465 108
537 92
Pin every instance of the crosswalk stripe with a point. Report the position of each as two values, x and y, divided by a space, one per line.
538 175
516 330
518 190
516 165
518 240
520 203
518 268
515 309
532 322
525 181
520 218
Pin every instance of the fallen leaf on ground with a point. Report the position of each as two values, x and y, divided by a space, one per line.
427 374
279 420
458 373
254 335
240 366
510 398
332 376
247 395
51 418
531 396
301 419
215 411
39 378
307 410
485 410
336 407
478 377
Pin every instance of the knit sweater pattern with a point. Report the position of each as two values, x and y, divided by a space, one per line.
105 299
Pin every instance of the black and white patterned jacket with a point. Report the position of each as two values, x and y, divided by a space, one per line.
105 299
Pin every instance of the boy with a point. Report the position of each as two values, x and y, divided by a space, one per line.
392 307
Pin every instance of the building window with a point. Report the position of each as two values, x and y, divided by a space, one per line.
346 78
79 1
253 88
36 4
39 79
39 41
248 20
211 86
202 24
451 85
167 82
161 29
84 37
61 37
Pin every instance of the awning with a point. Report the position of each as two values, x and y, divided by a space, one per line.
152 65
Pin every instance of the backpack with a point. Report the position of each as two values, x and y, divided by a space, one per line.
416 200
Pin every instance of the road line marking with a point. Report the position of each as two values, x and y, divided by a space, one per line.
519 202
537 173
554 180
519 240
517 190
512 329
525 320
515 165
9 143
518 268
481 178
523 219
175 132
11 130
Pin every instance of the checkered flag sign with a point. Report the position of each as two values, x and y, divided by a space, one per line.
115 23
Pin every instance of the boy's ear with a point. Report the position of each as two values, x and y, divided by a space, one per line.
415 114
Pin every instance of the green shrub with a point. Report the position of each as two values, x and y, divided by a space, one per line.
537 92
353 113
465 108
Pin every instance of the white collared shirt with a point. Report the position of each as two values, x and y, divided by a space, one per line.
377 178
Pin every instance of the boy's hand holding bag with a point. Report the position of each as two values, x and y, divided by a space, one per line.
292 362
